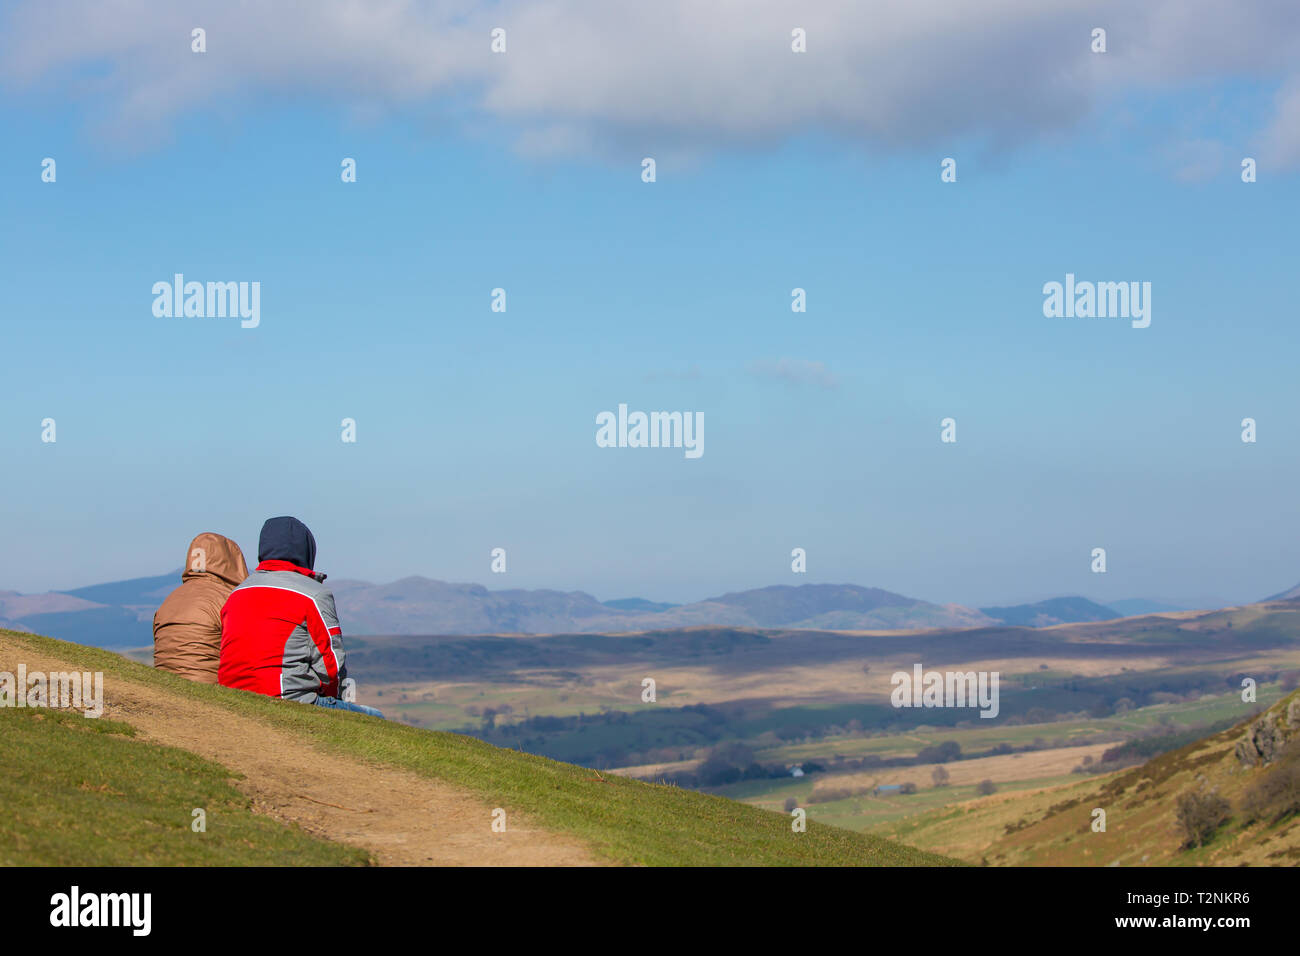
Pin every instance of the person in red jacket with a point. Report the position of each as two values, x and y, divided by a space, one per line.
280 634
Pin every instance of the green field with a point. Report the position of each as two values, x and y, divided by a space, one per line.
621 820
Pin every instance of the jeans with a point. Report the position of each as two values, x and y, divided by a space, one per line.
335 704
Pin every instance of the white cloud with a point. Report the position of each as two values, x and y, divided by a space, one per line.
677 76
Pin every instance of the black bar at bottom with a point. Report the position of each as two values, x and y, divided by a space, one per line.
360 908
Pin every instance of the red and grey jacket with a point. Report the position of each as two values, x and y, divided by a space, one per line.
280 635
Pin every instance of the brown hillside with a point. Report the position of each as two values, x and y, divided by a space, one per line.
1054 827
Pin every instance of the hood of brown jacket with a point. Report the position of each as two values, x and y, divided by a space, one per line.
216 555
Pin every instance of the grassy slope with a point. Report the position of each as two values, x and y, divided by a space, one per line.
623 820
78 792
1053 826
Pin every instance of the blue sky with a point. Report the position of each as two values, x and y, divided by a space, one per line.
476 429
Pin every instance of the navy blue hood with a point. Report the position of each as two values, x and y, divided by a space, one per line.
287 539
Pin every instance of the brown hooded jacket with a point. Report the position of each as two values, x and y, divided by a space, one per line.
187 628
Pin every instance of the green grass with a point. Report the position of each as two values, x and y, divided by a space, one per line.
622 820
862 813
81 792
450 711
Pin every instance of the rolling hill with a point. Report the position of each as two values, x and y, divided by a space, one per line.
1063 610
281 783
1288 595
1242 784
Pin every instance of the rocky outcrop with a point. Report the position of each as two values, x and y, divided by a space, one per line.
1266 737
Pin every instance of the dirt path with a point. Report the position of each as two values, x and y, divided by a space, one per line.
402 818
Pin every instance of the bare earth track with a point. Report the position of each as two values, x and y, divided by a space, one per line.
401 818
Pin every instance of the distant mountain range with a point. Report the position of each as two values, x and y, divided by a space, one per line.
423 606
120 614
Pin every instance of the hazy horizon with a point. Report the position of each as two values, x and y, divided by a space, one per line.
490 584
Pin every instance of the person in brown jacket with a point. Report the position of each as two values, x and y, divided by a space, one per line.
187 628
